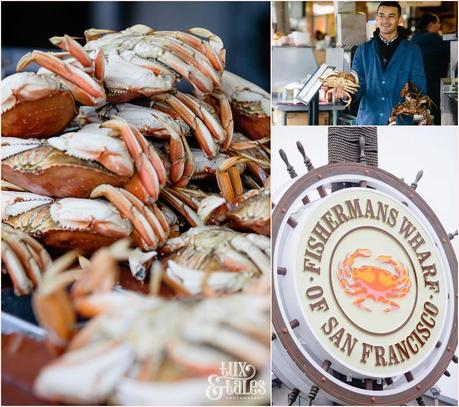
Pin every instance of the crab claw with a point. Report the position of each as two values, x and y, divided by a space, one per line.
85 89
69 44
149 166
362 253
51 302
94 143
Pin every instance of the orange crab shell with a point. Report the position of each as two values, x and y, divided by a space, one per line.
39 224
254 126
253 212
376 278
47 171
40 118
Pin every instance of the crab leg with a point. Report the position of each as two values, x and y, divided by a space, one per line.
226 117
188 213
89 86
102 272
25 256
191 56
189 165
51 303
22 285
103 364
212 50
147 162
203 134
148 238
202 111
244 245
199 81
229 180
161 228
74 48
176 154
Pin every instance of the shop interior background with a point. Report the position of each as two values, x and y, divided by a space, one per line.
308 33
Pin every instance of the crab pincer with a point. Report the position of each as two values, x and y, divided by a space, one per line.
149 166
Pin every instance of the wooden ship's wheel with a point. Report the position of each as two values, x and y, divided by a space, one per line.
364 287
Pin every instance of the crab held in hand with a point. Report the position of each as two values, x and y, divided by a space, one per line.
414 105
342 84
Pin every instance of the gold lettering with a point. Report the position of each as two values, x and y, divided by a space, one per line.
339 213
379 354
322 233
366 349
336 338
423 256
407 228
320 305
328 219
347 344
410 345
382 212
369 212
427 271
393 214
328 327
416 241
354 209
401 347
393 360
423 331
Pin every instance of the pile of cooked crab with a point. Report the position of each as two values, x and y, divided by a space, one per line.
109 164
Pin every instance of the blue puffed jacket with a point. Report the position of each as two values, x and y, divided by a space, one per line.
380 91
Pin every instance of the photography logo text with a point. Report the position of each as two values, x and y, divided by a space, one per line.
235 381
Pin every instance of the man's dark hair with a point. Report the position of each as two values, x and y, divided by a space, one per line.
426 19
390 4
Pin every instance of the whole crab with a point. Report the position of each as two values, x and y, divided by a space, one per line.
371 282
342 84
414 104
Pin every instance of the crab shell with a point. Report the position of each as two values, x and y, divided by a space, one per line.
47 171
52 224
251 106
253 212
35 106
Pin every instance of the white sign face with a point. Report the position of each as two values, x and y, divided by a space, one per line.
370 282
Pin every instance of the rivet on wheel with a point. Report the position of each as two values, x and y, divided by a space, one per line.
449 348
284 330
366 172
282 271
373 399
319 176
418 387
323 379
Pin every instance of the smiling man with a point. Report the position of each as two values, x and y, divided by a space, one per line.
384 65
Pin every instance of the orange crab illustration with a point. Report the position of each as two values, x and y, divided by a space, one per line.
372 282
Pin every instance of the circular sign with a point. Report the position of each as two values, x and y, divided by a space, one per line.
369 282
364 302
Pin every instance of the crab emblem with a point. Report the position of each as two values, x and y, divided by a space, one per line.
372 282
